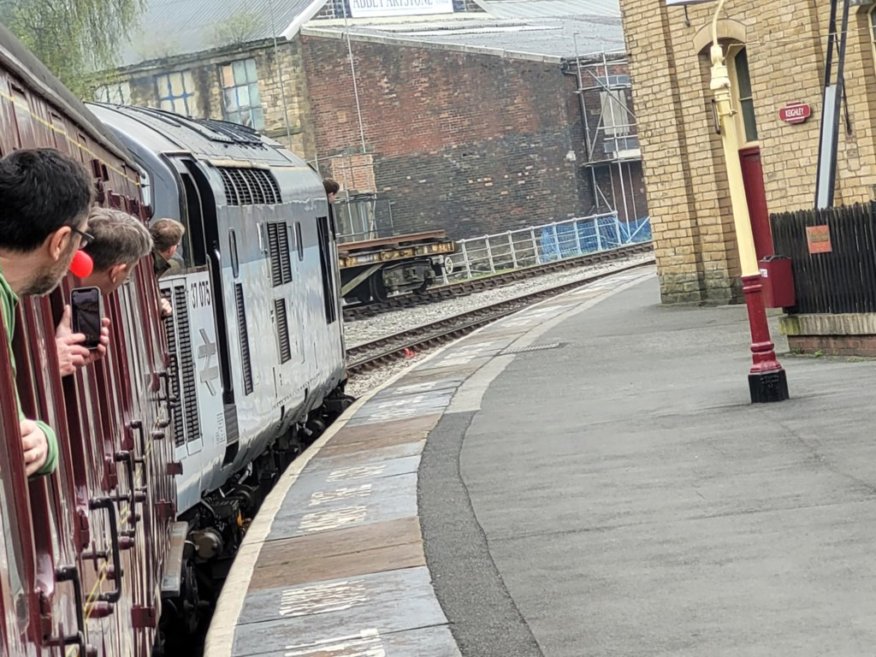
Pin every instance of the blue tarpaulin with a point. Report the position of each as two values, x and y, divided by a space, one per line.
560 241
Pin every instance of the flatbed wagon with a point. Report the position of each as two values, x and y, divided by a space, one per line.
371 270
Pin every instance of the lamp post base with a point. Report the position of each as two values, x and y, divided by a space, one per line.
767 380
768 387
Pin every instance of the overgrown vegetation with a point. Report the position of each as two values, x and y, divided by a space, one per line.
237 29
73 38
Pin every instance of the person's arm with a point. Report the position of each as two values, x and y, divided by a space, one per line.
71 354
40 447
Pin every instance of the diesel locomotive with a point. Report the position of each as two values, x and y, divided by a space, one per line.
169 442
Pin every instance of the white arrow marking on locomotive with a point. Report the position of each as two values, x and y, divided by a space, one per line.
322 599
366 644
321 521
206 351
324 497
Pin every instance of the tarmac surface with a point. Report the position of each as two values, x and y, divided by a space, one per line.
584 478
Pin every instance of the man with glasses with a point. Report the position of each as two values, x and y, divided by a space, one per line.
116 241
44 202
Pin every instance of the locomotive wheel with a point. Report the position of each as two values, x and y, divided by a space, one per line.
362 293
378 288
423 288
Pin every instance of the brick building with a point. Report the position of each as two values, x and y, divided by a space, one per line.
253 83
474 118
776 55
472 137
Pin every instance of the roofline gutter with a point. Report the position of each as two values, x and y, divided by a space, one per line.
570 64
302 18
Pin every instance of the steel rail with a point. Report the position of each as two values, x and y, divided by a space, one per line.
372 354
464 288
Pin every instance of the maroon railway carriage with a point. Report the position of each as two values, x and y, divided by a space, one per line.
82 551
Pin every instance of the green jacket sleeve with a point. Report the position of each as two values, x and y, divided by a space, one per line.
8 300
52 453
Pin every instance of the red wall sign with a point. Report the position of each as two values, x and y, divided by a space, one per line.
795 113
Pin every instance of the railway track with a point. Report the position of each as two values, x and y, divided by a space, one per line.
453 290
370 355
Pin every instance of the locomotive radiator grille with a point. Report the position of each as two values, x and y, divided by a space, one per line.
282 330
186 365
278 249
285 259
246 186
244 339
274 252
176 427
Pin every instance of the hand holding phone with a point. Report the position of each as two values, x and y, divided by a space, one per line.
87 313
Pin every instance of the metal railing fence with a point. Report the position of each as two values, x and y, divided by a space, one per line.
537 245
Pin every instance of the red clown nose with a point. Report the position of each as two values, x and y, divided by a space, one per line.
82 265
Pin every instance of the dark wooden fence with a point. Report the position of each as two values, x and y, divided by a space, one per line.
841 280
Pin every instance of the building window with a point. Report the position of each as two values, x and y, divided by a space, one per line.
742 91
240 94
117 93
616 117
176 92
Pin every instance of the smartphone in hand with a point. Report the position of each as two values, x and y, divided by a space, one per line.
87 307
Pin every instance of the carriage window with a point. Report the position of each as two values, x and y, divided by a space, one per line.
59 132
12 557
11 560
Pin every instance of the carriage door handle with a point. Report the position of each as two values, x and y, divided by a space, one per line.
98 609
114 572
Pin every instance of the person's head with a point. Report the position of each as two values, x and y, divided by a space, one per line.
167 234
331 189
44 202
120 240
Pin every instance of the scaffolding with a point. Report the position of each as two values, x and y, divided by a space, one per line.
613 161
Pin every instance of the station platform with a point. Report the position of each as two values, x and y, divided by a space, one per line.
584 478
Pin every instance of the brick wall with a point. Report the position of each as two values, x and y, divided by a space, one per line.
469 142
280 76
834 345
684 171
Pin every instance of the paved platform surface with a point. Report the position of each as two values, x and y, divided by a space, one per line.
584 478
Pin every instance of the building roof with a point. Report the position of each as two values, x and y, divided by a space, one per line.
543 37
550 8
179 27
169 28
